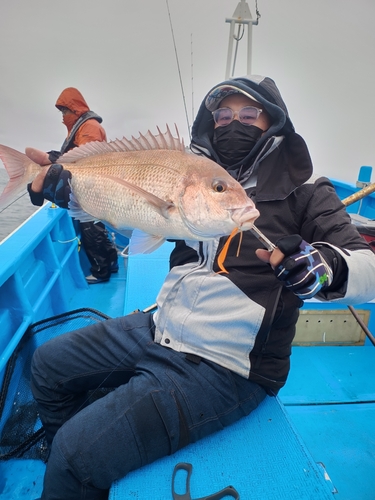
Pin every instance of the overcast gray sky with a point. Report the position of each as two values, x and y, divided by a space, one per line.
120 54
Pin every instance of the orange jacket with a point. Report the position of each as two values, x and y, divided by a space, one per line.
90 130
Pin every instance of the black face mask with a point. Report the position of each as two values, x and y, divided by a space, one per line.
235 141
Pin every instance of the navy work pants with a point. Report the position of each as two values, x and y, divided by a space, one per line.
161 402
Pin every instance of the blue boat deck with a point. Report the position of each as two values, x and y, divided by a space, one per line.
261 456
330 398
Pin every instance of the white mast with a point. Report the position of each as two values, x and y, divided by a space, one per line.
241 17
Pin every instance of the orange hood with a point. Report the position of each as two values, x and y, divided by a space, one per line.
72 99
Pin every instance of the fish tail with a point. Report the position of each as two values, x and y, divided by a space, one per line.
21 171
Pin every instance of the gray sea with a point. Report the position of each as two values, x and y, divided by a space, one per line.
17 212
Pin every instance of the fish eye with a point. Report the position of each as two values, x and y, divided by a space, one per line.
219 186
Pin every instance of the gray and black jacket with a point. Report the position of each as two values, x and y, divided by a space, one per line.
245 320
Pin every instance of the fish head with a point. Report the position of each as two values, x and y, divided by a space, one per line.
213 203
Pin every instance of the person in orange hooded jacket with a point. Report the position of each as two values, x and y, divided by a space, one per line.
83 126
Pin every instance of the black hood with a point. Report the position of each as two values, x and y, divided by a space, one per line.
265 91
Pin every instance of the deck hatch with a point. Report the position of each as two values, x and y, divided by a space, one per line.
330 327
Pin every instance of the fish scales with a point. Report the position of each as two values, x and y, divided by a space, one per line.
156 173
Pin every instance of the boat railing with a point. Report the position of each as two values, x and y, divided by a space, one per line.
41 272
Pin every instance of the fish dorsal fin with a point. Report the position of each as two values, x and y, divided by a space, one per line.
142 143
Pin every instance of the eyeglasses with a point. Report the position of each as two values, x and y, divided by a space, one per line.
247 115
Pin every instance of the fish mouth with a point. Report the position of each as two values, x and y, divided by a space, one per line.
245 217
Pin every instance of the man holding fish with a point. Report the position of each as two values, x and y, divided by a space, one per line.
221 337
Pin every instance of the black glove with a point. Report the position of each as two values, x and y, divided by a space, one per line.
53 155
35 198
304 270
56 187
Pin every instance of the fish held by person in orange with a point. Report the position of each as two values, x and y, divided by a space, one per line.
150 184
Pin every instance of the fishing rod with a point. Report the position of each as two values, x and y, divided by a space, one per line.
359 194
362 325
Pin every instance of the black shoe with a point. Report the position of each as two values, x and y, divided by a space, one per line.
114 267
92 280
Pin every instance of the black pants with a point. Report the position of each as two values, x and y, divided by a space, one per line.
100 251
161 402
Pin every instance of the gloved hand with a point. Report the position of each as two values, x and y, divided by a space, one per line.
53 155
303 270
56 187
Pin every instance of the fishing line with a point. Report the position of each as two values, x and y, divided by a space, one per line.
237 38
192 76
12 202
178 67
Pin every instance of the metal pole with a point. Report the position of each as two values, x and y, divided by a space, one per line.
241 15
249 46
230 49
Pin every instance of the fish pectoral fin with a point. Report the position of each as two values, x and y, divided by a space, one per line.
142 242
161 206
